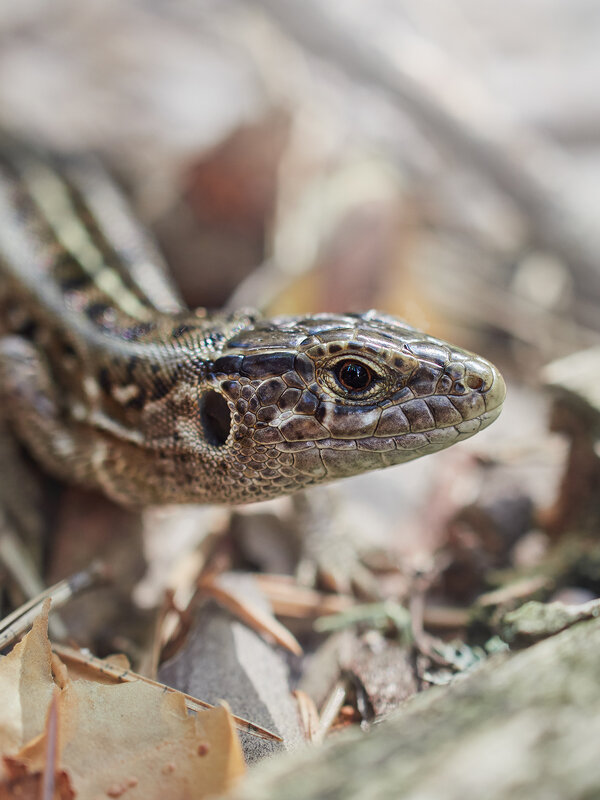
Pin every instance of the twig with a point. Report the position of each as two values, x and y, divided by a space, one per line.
289 599
15 624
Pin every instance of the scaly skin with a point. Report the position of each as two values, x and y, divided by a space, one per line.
110 382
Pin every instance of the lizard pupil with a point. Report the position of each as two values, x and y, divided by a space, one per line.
354 376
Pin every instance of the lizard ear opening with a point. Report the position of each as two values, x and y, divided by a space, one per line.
215 418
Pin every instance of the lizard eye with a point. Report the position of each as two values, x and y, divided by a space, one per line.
354 375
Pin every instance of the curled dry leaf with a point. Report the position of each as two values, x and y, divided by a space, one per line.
128 739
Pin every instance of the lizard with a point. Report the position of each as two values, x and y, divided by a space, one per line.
111 382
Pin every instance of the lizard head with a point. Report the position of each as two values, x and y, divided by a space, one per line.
294 402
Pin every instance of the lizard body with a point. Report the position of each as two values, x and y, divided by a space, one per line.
111 382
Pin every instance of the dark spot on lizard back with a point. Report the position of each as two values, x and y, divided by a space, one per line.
75 283
68 350
28 329
138 401
100 313
132 363
160 387
137 331
180 330
214 339
104 380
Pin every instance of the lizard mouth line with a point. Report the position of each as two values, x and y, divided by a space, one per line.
467 426
409 440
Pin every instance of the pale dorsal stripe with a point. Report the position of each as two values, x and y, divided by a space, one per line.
52 198
138 257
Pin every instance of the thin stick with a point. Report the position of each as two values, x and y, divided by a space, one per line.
15 624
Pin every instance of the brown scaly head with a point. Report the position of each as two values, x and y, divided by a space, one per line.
238 409
292 402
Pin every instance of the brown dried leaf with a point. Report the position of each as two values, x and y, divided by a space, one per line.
111 739
25 785
26 687
129 737
91 668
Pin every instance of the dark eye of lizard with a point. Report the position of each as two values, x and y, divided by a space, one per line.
353 375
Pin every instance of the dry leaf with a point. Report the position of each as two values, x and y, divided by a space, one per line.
127 739
25 785
26 687
130 737
26 782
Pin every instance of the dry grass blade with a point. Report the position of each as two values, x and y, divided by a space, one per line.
331 709
519 590
13 626
251 615
445 617
309 716
120 675
289 599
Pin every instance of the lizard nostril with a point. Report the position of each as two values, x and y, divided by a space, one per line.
474 382
215 417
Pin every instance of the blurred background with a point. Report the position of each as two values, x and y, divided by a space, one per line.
439 161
